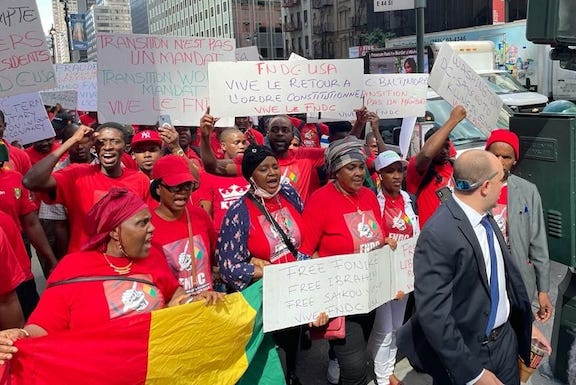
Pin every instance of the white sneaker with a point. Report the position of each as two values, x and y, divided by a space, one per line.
333 373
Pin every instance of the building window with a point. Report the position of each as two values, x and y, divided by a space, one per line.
226 27
305 16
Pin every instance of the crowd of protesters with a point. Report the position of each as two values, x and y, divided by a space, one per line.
202 210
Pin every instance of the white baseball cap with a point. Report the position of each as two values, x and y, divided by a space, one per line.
386 158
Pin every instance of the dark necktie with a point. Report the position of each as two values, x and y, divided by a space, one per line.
494 292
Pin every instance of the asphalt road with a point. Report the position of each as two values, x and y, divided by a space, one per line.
313 363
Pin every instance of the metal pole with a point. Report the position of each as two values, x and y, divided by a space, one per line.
67 20
420 6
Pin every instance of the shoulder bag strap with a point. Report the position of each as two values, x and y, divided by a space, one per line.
285 238
99 278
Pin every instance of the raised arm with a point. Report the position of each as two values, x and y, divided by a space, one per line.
39 177
434 144
211 164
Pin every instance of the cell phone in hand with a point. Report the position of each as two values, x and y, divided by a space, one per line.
164 119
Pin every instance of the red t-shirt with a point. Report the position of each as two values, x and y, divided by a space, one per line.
19 160
15 200
11 274
337 224
79 186
172 239
36 156
300 168
253 135
12 231
396 223
265 242
309 133
428 201
221 192
129 162
83 305
500 212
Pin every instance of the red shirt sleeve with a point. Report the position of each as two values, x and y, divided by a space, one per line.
413 179
312 218
11 275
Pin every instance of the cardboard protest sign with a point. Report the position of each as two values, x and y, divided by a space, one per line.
82 78
143 76
458 83
247 53
26 118
296 292
285 87
68 99
25 62
396 96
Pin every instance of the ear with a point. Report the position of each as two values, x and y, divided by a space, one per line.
115 234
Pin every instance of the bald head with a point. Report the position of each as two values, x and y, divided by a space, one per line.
229 132
478 176
474 166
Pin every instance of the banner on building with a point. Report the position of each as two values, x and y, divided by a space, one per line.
78 31
25 61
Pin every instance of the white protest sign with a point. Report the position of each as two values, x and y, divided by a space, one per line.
295 56
392 5
458 83
68 99
406 133
25 62
26 118
402 278
82 78
295 293
143 76
396 95
285 87
247 53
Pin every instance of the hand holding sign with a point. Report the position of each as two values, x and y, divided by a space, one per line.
458 83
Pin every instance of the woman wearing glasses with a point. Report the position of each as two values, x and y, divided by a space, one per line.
184 233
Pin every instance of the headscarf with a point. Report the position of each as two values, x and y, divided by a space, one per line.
108 213
253 156
342 152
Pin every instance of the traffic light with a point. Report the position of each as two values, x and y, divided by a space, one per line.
551 22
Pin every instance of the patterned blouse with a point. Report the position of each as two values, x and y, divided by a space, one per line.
232 246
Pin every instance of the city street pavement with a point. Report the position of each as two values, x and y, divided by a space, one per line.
313 363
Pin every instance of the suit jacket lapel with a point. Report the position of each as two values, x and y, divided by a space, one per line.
468 232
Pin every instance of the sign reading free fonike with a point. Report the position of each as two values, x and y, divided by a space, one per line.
296 292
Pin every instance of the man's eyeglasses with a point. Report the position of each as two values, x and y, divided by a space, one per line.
185 187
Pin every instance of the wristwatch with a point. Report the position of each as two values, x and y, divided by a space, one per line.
180 152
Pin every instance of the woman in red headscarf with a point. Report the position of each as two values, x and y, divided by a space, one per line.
117 274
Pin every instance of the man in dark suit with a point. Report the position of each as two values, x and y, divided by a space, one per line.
473 315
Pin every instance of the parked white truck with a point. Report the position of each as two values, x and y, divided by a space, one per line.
527 62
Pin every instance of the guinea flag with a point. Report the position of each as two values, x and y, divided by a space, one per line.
188 344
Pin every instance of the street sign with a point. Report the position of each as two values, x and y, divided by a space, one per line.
392 5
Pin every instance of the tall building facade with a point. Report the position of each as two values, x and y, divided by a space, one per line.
139 14
61 47
112 16
61 52
323 29
249 22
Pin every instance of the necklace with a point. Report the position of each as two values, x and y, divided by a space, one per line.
347 196
122 270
